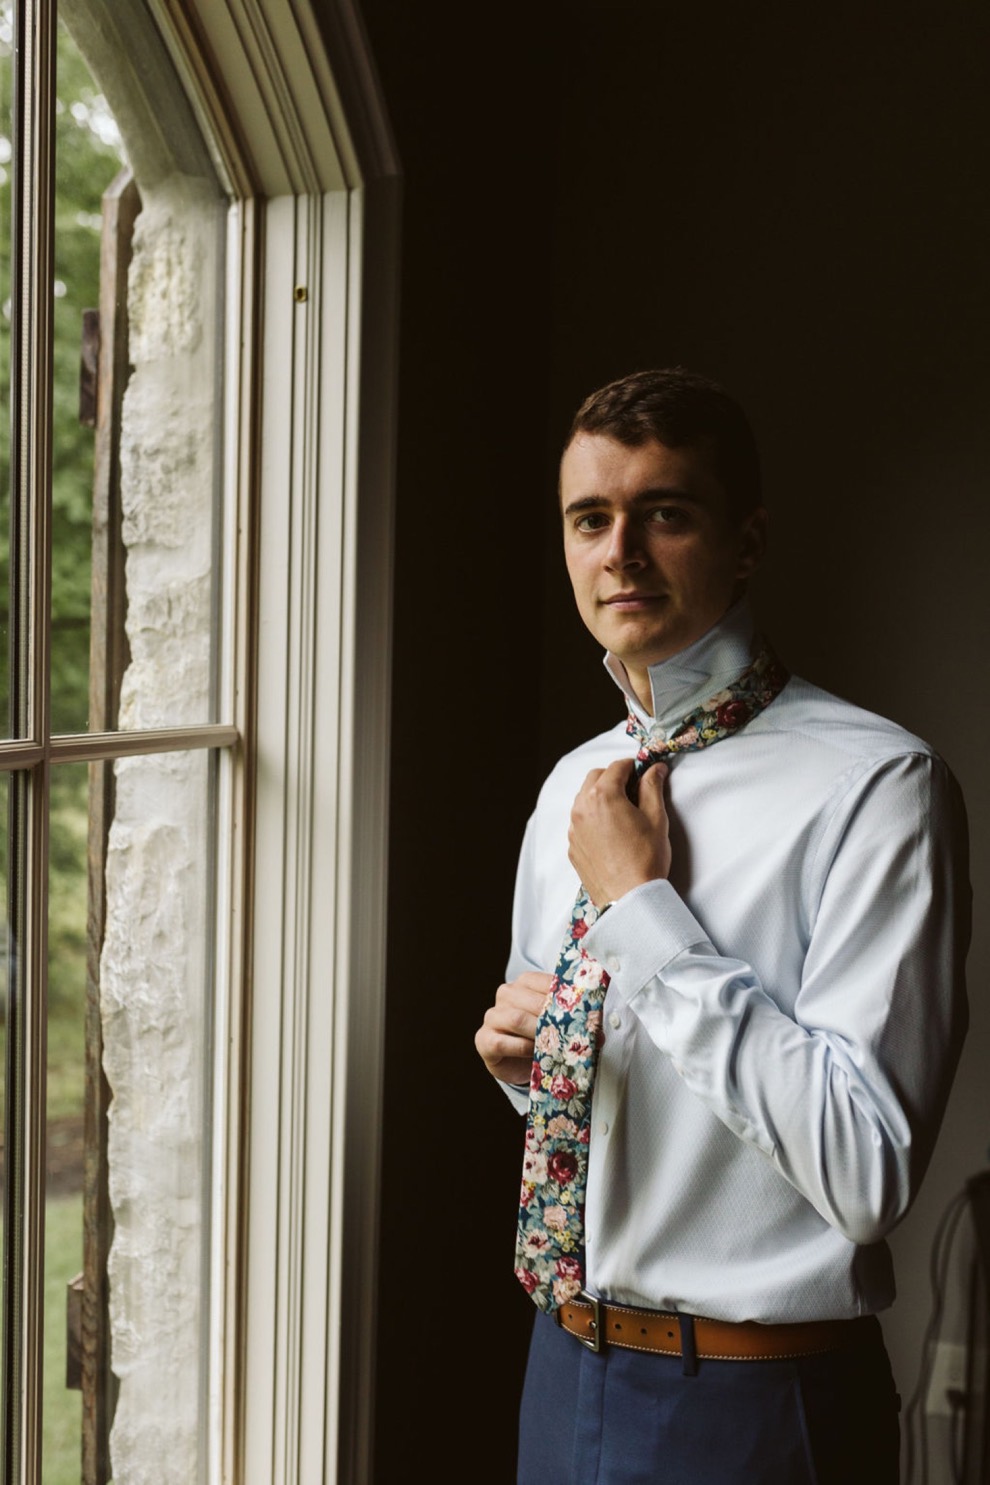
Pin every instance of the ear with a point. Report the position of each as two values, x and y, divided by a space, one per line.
752 541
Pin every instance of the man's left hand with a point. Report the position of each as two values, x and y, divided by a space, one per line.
615 845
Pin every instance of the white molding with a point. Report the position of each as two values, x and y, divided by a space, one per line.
265 89
301 1047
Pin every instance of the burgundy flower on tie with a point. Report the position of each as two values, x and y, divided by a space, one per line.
562 1167
732 714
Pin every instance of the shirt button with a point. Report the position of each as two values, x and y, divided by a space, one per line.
603 1127
614 965
615 1020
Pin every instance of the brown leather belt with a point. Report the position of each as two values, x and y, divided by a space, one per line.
593 1322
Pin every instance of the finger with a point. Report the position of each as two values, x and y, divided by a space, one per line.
651 797
536 980
616 777
529 997
499 1046
508 1016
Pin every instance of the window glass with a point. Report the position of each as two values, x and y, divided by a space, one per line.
88 155
130 997
6 951
65 1143
136 459
6 152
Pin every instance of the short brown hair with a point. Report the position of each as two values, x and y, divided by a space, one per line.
679 408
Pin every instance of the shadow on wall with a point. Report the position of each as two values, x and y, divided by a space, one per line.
792 203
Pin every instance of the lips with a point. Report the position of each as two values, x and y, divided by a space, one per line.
632 600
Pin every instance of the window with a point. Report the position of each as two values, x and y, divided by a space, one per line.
194 841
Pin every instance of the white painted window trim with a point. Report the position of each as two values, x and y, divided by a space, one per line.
298 1072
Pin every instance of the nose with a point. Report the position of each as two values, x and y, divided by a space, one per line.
624 551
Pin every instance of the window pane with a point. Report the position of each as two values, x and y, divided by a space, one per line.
130 1002
6 949
62 1416
136 458
88 155
6 151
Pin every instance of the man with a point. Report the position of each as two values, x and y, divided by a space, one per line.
774 909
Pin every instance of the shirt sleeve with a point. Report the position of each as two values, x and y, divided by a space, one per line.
521 955
845 1091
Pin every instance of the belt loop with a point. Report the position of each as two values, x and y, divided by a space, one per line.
689 1352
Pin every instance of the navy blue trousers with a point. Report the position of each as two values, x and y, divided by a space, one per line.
624 1418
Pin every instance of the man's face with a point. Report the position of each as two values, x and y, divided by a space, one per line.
653 556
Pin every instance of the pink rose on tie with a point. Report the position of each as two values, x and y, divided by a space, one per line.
548 1040
584 1135
566 1289
563 1088
579 928
732 713
527 1279
536 1242
556 1219
567 997
578 1048
588 975
535 1168
561 1124
562 1167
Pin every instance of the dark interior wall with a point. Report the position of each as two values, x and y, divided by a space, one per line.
471 117
794 202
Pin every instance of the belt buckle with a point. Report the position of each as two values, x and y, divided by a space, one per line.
594 1341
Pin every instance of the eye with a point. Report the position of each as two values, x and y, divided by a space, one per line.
668 515
592 520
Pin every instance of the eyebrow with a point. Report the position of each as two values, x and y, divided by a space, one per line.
642 497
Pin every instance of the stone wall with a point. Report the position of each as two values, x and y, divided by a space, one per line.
155 992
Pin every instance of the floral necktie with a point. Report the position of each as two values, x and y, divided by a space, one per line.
550 1240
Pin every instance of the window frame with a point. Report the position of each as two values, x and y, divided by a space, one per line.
305 686
299 123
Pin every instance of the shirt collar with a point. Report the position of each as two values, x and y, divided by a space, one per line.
691 676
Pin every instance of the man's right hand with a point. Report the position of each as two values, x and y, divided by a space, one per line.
505 1039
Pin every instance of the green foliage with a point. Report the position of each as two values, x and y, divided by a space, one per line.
88 157
87 160
61 1445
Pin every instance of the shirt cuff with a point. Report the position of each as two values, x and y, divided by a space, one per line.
641 933
517 1094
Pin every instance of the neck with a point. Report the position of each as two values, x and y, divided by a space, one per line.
642 687
664 688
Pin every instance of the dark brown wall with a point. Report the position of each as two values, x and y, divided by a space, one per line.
471 116
794 202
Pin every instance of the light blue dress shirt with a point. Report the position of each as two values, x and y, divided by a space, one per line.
785 1013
